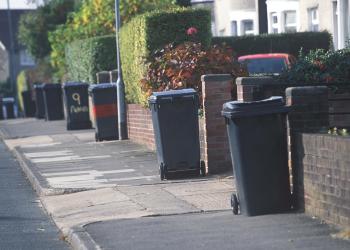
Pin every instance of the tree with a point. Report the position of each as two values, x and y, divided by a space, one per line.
96 18
34 26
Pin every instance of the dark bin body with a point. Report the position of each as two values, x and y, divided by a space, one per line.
28 104
104 109
9 104
176 131
76 103
39 101
258 144
1 112
53 101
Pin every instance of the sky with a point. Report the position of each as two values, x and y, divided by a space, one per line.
18 4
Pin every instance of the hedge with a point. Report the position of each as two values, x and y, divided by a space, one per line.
22 85
277 43
84 58
146 33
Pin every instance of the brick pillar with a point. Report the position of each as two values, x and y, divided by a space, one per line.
309 113
252 88
216 91
103 77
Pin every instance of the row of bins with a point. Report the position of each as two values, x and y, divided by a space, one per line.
7 108
77 99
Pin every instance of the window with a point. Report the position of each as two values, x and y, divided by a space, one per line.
222 32
290 21
247 27
25 58
274 22
313 19
234 31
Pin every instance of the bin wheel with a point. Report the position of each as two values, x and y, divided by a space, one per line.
234 204
162 172
202 169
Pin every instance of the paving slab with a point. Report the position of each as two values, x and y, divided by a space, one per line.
219 230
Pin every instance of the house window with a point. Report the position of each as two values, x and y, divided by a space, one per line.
313 19
234 31
290 21
222 32
247 27
274 22
25 58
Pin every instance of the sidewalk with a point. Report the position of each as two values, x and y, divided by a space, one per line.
90 188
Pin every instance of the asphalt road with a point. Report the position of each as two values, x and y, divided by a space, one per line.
220 230
23 223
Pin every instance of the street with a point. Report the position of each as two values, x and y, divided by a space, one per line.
23 223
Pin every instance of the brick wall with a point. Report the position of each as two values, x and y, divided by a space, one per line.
139 123
324 161
216 91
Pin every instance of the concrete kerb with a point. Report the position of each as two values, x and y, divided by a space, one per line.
80 239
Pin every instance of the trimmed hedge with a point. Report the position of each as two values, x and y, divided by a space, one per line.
84 58
146 33
277 43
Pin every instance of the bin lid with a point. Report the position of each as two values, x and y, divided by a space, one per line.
101 86
272 105
8 100
75 84
169 94
51 85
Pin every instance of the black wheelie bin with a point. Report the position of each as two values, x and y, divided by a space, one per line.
1 112
39 101
176 131
258 143
76 104
53 101
9 105
28 103
104 111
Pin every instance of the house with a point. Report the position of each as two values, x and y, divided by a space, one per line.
245 17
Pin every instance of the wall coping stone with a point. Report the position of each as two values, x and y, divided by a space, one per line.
307 90
216 77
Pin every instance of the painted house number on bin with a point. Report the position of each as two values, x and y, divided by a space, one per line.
78 109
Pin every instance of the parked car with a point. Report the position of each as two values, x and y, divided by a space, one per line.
267 64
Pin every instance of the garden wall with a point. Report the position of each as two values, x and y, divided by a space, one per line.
258 88
324 162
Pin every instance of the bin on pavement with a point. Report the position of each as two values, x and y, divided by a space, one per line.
39 101
104 111
1 112
53 101
176 131
76 105
9 107
258 142
28 103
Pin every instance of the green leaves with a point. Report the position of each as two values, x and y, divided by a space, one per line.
320 66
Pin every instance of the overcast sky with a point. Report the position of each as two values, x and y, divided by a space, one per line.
17 4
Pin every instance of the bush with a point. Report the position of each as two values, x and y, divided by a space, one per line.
182 67
320 66
87 57
151 31
22 85
290 43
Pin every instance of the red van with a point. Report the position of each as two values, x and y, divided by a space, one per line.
267 64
